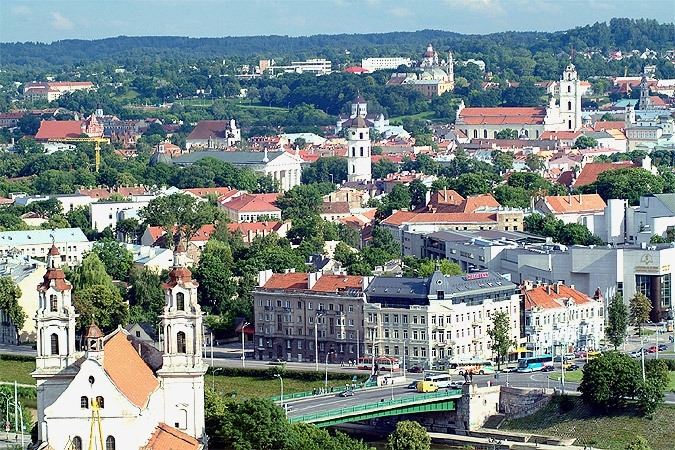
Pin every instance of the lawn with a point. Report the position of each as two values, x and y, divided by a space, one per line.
18 371
571 418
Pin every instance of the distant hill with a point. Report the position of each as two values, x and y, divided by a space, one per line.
619 34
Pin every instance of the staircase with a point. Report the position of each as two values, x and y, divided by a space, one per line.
495 421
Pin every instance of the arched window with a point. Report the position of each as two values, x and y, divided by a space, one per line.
353 168
180 301
569 88
495 134
100 402
180 342
84 402
569 124
53 303
485 134
361 135
110 443
353 151
77 443
55 344
361 151
475 133
569 106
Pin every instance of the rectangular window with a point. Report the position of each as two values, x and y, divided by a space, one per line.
310 305
351 308
320 306
414 319
404 318
395 316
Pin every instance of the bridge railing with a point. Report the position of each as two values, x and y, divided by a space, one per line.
454 393
296 395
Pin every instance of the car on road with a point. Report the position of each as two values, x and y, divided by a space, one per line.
347 393
652 349
548 368
580 354
663 347
416 369
287 407
510 369
277 362
572 367
412 385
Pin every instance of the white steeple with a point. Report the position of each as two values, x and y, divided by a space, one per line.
570 99
358 149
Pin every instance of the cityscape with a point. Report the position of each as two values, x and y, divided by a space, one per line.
427 237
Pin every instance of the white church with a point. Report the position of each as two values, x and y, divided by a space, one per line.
120 393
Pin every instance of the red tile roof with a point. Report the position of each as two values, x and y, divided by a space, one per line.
609 125
401 217
210 128
252 202
166 437
219 191
589 173
335 208
547 297
127 370
501 116
54 129
326 283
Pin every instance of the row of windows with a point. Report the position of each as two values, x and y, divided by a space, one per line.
84 402
109 443
310 305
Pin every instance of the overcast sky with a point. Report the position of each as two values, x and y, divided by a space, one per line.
53 20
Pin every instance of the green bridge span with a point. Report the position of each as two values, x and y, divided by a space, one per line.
438 401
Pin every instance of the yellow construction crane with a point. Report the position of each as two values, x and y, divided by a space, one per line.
95 426
98 142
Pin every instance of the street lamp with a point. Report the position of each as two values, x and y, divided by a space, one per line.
281 398
316 340
243 350
325 384
213 377
7 399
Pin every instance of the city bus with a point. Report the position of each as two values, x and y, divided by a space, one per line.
474 366
534 363
442 380
382 363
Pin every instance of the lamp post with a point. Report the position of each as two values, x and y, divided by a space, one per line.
243 349
642 356
281 397
325 384
7 399
316 341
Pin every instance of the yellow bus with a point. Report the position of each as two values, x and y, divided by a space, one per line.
474 366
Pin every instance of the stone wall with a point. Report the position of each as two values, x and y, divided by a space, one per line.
520 402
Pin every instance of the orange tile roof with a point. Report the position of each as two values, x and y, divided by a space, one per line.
401 217
166 437
575 203
560 135
335 208
473 203
255 227
501 116
589 173
609 125
127 370
547 297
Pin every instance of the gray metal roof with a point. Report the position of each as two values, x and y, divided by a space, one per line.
474 283
668 201
236 158
41 237
398 287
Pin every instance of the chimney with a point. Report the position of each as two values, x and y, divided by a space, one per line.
312 278
264 276
569 198
556 288
548 289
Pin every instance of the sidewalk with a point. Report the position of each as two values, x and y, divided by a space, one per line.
14 439
497 444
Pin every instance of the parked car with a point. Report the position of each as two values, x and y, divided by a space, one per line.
347 393
416 369
663 347
580 354
413 385
548 368
509 369
572 367
652 349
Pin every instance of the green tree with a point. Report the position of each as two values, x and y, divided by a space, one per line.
503 161
500 335
609 380
626 183
585 142
182 214
409 435
507 133
102 305
300 202
640 307
418 194
650 394
216 286
115 257
10 293
145 296
383 167
617 321
91 272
